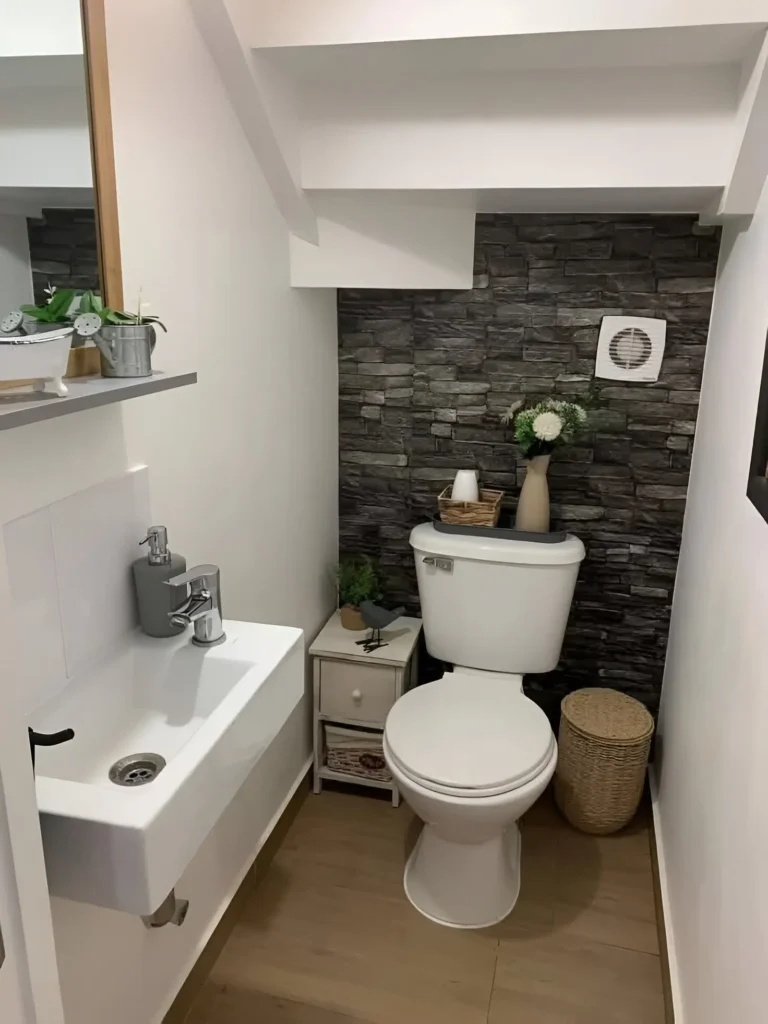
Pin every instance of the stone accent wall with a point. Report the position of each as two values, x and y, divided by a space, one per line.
424 377
62 245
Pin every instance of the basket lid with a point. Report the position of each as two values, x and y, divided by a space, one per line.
425 538
606 714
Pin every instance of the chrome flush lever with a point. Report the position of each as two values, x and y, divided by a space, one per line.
444 564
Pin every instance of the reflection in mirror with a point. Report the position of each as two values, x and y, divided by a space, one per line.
48 221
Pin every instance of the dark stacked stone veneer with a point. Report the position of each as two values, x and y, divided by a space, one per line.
62 246
424 377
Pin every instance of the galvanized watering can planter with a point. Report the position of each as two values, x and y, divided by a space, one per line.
126 349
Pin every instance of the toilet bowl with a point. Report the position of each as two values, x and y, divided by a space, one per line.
470 753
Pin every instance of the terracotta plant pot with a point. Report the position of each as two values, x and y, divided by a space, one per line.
533 506
351 618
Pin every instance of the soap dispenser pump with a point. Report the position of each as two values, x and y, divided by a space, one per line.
156 600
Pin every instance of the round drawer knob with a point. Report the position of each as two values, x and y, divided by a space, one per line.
357 696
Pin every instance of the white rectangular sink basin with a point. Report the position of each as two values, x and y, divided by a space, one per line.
209 714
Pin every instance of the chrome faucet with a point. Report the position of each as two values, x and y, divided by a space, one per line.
202 607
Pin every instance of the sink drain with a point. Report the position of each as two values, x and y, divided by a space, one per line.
136 769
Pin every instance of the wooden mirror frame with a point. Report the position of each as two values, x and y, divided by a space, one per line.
102 151
84 361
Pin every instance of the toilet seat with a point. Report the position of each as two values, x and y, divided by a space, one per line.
462 740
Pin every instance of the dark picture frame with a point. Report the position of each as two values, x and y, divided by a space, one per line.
757 485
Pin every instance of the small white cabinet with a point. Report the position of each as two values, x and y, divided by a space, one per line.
353 692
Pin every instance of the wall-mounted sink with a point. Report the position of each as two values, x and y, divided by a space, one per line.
198 720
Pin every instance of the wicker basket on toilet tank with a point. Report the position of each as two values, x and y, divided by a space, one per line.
604 740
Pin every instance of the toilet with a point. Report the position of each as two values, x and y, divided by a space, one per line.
470 752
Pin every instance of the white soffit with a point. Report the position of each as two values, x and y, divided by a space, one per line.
309 22
699 45
388 240
750 166
596 200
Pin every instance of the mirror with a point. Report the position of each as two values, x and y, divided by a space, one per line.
58 209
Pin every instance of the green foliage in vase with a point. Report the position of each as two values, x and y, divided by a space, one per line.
547 425
358 578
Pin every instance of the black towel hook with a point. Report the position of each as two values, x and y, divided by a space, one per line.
51 739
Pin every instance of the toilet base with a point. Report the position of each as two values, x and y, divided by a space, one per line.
464 885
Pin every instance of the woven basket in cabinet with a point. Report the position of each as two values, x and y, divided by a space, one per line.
604 740
484 512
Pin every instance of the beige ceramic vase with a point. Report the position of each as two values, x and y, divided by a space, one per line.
533 506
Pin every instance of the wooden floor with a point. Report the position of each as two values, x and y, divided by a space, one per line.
328 936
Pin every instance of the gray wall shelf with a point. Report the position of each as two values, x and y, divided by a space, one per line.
17 408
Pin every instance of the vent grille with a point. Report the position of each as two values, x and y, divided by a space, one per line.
630 348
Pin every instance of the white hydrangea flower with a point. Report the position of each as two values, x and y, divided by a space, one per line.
547 426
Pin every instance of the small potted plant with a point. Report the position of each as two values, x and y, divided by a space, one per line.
125 340
357 579
539 429
53 313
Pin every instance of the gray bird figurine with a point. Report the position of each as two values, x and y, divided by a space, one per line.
376 618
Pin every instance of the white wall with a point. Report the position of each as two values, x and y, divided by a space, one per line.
712 808
15 266
243 465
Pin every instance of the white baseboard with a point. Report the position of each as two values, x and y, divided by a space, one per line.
674 974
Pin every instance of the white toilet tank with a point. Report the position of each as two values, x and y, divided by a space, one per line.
492 603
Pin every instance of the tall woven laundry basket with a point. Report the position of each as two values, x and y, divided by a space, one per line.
604 740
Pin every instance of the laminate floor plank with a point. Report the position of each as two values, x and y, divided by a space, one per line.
328 936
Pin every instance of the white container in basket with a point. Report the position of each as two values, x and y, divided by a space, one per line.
39 357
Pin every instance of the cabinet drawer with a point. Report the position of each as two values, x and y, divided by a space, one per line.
362 693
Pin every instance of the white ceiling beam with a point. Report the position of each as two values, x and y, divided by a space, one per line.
238 75
750 165
313 23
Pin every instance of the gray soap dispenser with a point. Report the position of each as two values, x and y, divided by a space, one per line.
156 600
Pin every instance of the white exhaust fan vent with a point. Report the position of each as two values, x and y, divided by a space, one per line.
631 348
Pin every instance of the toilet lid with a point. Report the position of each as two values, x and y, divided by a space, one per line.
477 738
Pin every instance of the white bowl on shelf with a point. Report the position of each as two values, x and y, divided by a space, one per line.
41 357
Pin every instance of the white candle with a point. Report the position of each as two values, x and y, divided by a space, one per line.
465 486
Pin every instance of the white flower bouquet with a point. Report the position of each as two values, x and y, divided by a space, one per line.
541 428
